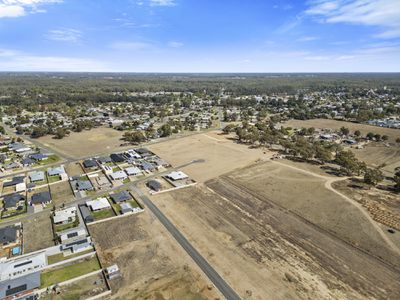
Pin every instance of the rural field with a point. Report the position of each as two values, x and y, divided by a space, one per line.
37 233
152 264
220 154
96 141
392 133
271 223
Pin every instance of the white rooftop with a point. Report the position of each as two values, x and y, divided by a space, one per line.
177 175
99 203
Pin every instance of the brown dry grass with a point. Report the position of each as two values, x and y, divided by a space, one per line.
37 233
221 155
61 193
86 143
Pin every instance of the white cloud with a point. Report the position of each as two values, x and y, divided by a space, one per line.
383 13
65 35
19 8
162 3
174 44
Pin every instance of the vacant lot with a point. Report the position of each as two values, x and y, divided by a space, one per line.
377 154
61 193
86 143
220 155
74 169
153 266
37 233
276 233
393 134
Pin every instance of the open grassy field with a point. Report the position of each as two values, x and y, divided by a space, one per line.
86 143
37 233
220 154
153 266
392 133
61 193
74 169
76 269
273 232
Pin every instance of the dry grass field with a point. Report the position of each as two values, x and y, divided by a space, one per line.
61 193
377 154
221 155
37 233
393 134
152 264
276 233
74 169
86 143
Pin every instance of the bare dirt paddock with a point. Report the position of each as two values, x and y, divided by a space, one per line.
221 155
85 143
392 133
152 264
274 233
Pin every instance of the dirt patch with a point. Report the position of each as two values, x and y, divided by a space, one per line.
392 133
152 264
220 155
37 233
86 143
74 169
266 251
61 193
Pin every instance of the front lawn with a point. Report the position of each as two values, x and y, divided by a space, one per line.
103 214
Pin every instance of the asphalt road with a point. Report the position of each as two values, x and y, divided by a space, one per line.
210 272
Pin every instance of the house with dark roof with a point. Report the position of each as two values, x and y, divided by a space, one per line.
143 152
39 156
8 235
27 162
10 289
86 215
16 180
41 198
146 166
104 159
84 185
12 200
115 157
89 164
121 197
154 185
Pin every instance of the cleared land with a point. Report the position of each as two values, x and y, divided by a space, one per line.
61 193
85 143
276 233
37 233
392 133
220 155
153 266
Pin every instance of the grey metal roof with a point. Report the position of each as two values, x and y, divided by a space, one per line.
12 200
11 287
8 234
121 196
42 197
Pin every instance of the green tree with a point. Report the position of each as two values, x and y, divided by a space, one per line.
373 176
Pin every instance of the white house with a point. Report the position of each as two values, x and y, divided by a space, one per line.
177 175
133 171
119 175
21 266
98 204
65 216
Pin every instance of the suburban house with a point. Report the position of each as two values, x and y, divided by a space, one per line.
12 201
126 208
56 171
26 162
90 164
16 180
39 156
18 147
132 154
78 245
73 235
154 185
104 159
118 158
8 235
143 152
133 171
119 175
22 265
98 204
86 215
36 176
84 185
146 166
121 197
177 175
18 287
42 198
65 216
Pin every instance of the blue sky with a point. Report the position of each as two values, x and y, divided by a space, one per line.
200 35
